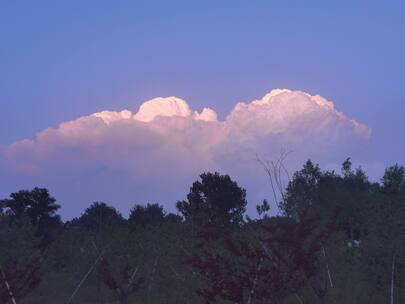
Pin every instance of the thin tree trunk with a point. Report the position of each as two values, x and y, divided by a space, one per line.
100 298
84 278
327 268
10 292
152 276
392 279
298 298
131 279
252 290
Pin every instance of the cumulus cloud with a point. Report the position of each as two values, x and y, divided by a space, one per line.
155 153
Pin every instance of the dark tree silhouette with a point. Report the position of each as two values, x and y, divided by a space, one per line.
38 206
214 199
268 268
128 283
20 260
301 190
338 239
98 215
393 180
145 215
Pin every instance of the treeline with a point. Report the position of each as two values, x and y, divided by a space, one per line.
337 238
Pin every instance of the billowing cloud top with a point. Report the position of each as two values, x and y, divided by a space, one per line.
155 153
158 107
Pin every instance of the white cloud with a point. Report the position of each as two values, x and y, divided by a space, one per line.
155 154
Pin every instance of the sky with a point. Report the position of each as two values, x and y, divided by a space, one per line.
60 61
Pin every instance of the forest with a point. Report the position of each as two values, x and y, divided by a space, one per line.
336 237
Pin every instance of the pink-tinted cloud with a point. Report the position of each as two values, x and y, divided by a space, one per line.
154 154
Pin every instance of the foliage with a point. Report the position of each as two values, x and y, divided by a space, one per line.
214 199
339 238
38 206
97 216
144 215
20 260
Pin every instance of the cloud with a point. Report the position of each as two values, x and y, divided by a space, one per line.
154 154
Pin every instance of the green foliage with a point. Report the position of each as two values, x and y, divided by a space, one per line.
301 191
339 239
263 209
216 198
393 180
146 215
97 216
38 206
20 259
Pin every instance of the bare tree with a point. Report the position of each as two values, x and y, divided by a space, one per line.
277 174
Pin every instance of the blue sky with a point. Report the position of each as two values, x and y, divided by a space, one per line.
60 59
63 59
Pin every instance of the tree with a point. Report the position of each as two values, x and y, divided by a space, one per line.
122 266
38 206
214 199
20 260
99 215
339 239
383 246
263 209
393 180
343 200
145 215
266 264
301 192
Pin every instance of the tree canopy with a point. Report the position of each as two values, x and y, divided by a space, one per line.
214 198
337 238
38 206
